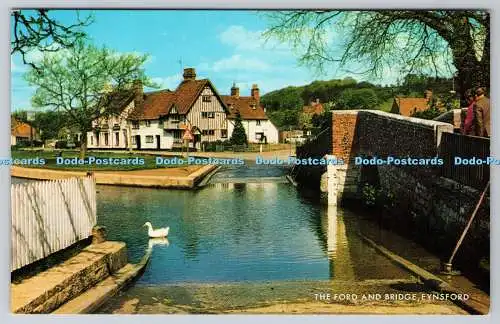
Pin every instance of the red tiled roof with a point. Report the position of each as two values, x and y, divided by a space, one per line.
20 129
156 104
187 92
406 106
159 103
314 109
243 105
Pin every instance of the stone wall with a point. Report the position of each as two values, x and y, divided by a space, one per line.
430 206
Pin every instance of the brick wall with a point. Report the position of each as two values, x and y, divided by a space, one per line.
344 126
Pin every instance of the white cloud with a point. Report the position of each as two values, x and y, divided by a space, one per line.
243 39
171 82
236 63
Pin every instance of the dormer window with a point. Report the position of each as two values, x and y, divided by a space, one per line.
230 106
253 106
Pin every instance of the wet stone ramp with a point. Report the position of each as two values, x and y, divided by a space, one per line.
250 173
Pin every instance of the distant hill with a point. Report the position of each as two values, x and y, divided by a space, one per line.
284 105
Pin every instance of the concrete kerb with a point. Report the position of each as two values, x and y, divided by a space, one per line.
120 179
431 281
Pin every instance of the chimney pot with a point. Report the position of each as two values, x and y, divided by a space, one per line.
235 91
189 74
255 93
138 93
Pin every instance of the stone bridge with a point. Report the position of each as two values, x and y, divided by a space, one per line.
417 197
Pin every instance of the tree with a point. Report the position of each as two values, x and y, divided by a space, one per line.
415 40
49 123
357 99
73 81
239 137
36 30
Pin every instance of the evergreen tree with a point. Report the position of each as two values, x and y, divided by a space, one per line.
239 137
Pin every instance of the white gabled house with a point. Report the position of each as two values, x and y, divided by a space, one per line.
158 119
258 127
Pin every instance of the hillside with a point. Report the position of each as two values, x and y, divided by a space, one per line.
284 105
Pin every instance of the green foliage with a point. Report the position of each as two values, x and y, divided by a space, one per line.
357 99
239 137
289 98
285 119
369 193
284 106
374 196
407 41
73 81
49 123
326 91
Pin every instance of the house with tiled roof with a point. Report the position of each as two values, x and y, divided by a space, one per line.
308 111
314 108
258 127
159 119
407 106
20 131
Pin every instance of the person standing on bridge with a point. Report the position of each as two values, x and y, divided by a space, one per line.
468 125
482 113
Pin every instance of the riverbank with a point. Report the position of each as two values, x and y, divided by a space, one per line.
176 178
283 297
80 284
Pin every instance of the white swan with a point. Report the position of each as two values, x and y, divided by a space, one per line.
160 232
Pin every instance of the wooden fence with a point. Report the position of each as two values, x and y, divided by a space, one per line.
48 216
457 145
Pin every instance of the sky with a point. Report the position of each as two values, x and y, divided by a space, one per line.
224 46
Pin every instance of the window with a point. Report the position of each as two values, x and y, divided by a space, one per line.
178 134
207 98
208 132
259 136
135 125
117 139
223 133
91 140
207 114
148 123
106 139
133 140
258 122
149 139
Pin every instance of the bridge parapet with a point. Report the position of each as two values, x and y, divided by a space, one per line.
422 199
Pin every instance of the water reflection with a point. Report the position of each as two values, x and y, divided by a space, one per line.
224 232
236 232
157 241
337 243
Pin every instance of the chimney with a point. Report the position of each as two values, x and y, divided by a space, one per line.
428 94
255 93
189 74
138 93
235 91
